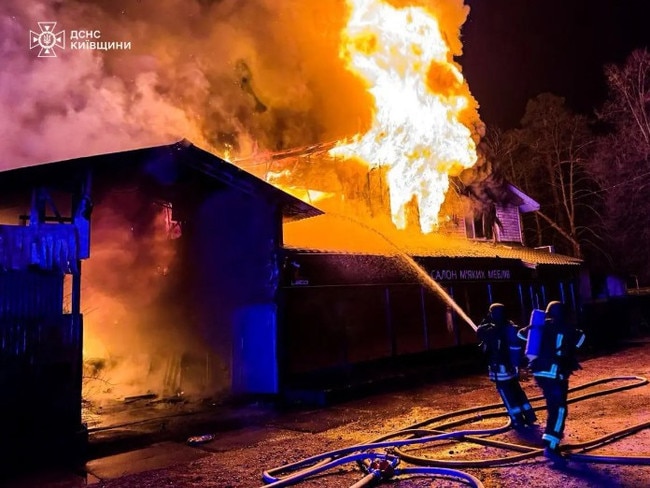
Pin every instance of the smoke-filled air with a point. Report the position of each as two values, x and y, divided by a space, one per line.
231 76
314 96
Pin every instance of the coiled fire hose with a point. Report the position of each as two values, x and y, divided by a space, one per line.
383 466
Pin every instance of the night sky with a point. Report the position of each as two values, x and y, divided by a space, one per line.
516 49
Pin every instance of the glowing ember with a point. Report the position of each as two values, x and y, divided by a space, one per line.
420 98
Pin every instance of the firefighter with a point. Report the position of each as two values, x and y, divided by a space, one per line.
502 348
556 343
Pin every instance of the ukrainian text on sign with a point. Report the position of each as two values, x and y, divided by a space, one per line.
470 274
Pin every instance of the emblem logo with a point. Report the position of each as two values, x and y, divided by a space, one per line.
47 40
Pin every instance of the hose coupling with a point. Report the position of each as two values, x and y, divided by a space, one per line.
382 468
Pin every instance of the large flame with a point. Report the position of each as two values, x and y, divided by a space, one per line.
420 97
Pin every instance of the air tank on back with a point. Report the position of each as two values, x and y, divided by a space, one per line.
534 340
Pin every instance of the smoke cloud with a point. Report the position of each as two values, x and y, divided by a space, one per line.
234 77
228 75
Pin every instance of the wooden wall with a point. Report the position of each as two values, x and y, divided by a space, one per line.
510 218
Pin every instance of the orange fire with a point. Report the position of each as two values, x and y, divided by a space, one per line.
423 108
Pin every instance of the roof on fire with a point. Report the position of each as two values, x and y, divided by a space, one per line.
182 152
330 234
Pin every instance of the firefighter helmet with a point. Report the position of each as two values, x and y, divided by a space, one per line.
555 311
498 312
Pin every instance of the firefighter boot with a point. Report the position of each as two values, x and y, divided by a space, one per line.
555 455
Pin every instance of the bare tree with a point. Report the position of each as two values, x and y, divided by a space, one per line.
547 158
622 161
509 153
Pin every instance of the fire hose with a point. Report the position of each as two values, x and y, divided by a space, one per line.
380 466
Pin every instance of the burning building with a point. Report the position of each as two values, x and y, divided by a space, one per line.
199 281
377 299
204 280
177 299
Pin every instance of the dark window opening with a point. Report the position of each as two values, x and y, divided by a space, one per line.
476 229
483 224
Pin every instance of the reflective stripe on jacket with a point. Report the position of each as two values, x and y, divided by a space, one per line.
557 357
502 349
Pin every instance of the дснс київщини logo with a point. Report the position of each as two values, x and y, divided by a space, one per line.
47 39
80 40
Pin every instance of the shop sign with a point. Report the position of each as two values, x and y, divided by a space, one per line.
470 274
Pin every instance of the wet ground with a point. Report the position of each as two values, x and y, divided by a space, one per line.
249 439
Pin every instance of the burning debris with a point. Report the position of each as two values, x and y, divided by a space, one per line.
264 82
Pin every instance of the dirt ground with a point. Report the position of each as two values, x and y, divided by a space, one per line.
237 459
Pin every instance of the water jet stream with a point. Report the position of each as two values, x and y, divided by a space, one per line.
432 284
435 286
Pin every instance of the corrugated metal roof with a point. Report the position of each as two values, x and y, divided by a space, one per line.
330 234
472 250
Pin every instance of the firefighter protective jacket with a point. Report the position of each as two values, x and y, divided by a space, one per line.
557 357
502 349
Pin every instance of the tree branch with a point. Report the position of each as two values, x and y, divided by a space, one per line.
575 244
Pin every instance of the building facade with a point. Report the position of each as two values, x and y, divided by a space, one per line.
357 300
